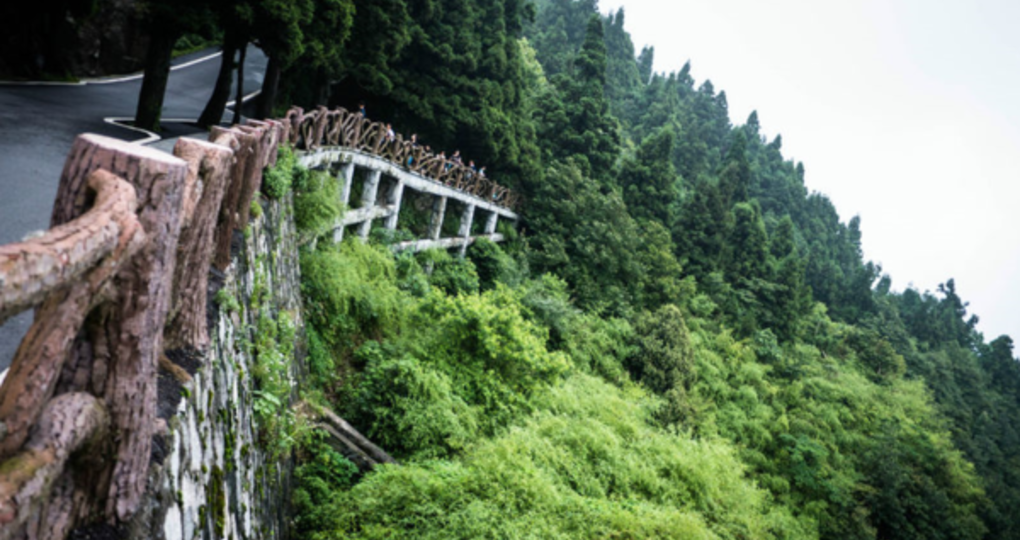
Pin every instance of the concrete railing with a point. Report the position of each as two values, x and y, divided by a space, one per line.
339 127
386 188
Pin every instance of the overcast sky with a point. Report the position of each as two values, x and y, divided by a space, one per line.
905 112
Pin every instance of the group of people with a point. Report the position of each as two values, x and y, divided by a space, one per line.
391 137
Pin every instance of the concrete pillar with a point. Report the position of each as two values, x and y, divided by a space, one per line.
368 196
346 178
465 227
490 223
438 213
395 198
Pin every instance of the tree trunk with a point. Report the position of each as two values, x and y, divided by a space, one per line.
213 112
157 73
270 87
239 100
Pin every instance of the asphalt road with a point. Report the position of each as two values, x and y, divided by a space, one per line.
38 123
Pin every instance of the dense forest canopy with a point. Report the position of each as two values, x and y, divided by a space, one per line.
678 302
676 284
681 340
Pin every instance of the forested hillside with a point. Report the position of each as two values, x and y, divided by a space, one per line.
681 340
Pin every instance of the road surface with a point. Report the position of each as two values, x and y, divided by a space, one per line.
38 123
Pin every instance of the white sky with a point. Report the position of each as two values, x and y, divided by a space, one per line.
905 112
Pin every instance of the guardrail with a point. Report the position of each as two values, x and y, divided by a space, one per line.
340 127
121 273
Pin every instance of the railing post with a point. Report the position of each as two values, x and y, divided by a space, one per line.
465 227
436 221
490 223
395 198
368 196
346 177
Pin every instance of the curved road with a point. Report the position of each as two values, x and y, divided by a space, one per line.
38 123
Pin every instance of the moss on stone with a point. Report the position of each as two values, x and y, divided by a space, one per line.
216 499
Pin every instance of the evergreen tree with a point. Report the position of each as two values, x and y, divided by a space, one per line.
735 177
645 62
586 237
585 131
649 181
460 82
623 80
747 244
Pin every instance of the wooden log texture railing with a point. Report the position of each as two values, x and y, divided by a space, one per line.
122 274
339 127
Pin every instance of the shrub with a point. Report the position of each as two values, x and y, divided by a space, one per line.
548 303
276 180
410 408
492 264
601 346
664 358
316 204
450 274
469 367
350 294
323 472
588 466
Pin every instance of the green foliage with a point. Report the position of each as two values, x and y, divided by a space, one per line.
321 365
602 346
574 120
322 472
350 294
700 352
227 301
588 466
587 238
663 358
452 72
807 423
274 355
192 42
276 180
492 264
316 205
450 274
411 406
471 366
547 300
649 180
